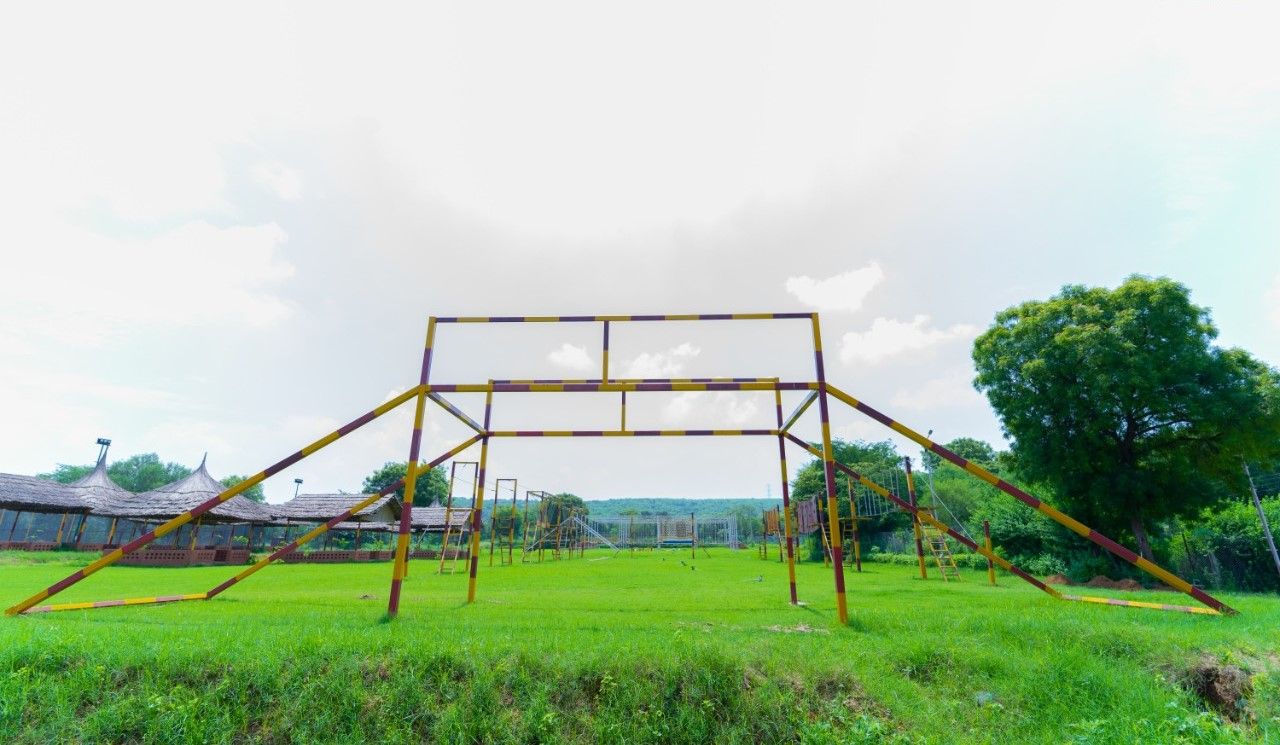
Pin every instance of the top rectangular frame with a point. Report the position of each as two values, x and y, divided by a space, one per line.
591 319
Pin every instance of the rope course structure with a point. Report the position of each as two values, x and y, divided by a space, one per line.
818 391
448 518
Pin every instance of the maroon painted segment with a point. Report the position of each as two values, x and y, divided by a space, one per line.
66 582
356 423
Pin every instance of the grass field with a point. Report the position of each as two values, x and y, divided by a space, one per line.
651 648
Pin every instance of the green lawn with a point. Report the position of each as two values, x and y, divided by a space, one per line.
654 647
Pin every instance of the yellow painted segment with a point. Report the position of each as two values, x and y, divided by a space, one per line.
431 332
323 441
1163 575
752 316
1142 604
843 396
1070 523
684 317
173 524
477 506
393 403
817 334
981 473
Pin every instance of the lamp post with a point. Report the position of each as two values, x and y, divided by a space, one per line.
297 484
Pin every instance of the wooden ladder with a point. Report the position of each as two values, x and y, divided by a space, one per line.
936 540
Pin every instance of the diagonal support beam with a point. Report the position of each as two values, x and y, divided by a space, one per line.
1070 523
186 517
321 529
926 517
800 410
458 413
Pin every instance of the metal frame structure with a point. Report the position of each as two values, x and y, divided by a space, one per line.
819 391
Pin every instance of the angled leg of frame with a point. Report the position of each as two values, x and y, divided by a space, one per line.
924 516
786 501
478 505
186 517
320 529
250 571
1075 526
400 567
829 474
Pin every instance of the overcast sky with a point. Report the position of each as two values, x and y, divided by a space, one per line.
223 229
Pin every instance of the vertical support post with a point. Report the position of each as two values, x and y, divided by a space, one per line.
915 520
524 527
624 412
828 462
195 533
511 527
493 522
57 538
693 535
786 501
84 520
111 532
17 514
400 566
857 541
448 517
476 520
1262 517
604 356
986 543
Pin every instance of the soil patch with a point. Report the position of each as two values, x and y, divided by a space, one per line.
1226 688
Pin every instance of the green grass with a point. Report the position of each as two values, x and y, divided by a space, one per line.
625 649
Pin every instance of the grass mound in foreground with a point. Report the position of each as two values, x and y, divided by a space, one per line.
657 647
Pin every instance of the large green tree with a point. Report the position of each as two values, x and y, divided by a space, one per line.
431 486
1121 403
254 492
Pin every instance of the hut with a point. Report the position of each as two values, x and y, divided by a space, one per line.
347 541
37 514
221 535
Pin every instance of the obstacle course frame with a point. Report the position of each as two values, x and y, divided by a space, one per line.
819 391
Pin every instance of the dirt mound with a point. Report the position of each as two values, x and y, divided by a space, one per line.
1058 579
1224 687
1104 582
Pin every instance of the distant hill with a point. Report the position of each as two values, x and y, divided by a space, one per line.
656 506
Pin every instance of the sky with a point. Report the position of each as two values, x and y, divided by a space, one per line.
223 228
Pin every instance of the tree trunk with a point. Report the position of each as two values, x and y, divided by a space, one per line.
1140 535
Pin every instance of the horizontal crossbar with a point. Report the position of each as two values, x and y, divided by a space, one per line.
589 319
632 432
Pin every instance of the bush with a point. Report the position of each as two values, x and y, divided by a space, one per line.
1233 533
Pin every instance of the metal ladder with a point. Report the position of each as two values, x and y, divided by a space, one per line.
936 540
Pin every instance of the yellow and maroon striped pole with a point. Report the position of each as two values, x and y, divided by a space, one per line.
478 507
986 542
400 567
186 517
915 520
786 500
1075 526
828 462
306 538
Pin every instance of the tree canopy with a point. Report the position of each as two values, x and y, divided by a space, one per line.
431 486
1120 402
254 492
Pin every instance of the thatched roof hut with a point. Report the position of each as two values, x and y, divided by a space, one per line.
32 494
432 519
185 494
324 507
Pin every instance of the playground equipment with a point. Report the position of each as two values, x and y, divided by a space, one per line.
772 529
502 524
817 391
449 509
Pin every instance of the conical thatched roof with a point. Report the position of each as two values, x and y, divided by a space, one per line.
97 489
182 495
31 494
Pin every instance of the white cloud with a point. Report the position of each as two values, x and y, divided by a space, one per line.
571 357
194 274
888 337
668 364
280 180
952 389
677 410
841 292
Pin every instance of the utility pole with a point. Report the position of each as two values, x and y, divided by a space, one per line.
1262 516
